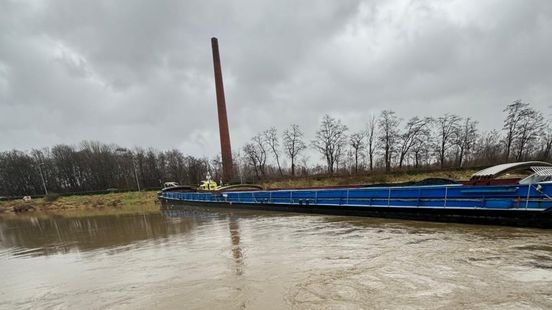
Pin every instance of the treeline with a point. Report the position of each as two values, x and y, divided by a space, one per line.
94 166
386 143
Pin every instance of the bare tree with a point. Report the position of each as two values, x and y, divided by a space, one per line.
330 141
255 151
546 139
271 137
413 130
466 139
370 135
216 168
514 115
388 124
293 144
340 152
197 169
357 142
531 123
252 157
488 148
176 166
421 146
447 127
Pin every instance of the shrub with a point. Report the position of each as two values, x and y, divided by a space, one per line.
51 197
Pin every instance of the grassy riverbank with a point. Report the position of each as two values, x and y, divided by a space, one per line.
377 178
129 202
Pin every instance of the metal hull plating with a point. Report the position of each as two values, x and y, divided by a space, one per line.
511 205
519 218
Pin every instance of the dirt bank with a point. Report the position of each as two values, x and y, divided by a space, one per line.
130 201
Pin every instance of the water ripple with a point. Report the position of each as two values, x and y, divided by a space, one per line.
270 260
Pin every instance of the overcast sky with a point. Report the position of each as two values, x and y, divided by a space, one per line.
140 73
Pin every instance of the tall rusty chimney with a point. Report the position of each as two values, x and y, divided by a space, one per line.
225 148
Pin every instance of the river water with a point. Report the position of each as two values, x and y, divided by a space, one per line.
262 260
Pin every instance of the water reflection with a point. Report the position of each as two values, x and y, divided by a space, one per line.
233 226
237 254
46 235
35 235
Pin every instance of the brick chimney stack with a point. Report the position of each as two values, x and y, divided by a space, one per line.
225 148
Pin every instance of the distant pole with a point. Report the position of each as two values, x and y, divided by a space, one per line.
225 147
135 174
42 177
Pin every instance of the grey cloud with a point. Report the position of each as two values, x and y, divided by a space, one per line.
140 72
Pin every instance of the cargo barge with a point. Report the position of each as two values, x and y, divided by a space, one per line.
484 199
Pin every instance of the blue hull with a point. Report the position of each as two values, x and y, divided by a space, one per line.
513 205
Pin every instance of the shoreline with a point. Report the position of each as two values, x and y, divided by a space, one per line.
113 203
146 201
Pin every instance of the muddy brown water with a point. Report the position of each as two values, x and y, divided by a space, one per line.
262 260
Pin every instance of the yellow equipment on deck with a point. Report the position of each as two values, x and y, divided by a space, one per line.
209 185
